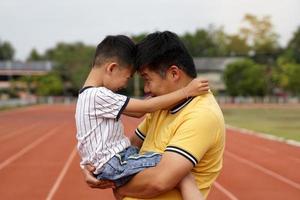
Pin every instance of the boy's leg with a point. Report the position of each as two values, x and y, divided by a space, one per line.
123 166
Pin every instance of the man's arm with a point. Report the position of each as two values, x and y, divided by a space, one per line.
154 181
136 141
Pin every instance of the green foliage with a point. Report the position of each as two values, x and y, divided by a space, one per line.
245 78
288 77
199 43
35 56
237 46
49 85
6 51
283 122
292 52
46 85
139 37
72 63
214 42
260 34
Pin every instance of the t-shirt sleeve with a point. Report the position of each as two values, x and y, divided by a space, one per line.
110 104
194 136
142 129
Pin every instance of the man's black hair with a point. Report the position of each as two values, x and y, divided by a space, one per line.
120 47
160 50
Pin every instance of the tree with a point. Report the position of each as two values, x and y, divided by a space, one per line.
245 78
287 75
219 39
6 51
72 63
139 37
199 44
35 56
49 85
260 36
237 46
292 52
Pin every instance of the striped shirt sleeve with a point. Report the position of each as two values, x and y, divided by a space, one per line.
110 104
142 128
140 134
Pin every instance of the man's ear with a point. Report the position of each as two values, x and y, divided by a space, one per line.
110 67
174 72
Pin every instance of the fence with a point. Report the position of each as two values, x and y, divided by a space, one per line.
261 100
220 99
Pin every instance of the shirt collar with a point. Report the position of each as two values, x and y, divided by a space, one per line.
181 105
84 88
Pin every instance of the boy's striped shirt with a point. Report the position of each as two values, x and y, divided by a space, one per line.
100 134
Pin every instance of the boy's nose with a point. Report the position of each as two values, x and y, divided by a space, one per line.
146 89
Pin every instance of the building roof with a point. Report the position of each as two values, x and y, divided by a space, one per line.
32 66
214 63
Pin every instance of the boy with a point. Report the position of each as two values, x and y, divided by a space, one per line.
101 139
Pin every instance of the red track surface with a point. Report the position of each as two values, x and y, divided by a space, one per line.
38 160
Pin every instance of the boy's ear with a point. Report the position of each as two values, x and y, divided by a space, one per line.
111 66
174 72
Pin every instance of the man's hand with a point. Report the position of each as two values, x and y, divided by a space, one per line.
92 181
117 195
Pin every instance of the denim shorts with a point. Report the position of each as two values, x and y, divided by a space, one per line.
124 165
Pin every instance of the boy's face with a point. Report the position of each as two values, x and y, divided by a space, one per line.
154 84
120 78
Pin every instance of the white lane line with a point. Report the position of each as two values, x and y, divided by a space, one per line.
27 148
22 130
61 175
265 170
226 192
264 135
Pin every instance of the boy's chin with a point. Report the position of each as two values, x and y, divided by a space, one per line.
149 95
120 90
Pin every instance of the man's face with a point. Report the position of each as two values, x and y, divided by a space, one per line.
154 84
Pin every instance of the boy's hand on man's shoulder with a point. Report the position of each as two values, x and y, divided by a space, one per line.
196 87
91 180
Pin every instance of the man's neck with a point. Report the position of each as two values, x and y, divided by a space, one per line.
184 81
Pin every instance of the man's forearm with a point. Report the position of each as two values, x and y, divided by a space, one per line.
144 185
157 180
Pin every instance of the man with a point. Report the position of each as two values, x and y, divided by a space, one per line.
191 135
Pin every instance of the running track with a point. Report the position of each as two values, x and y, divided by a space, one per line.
38 160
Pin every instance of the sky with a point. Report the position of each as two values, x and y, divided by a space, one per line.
41 24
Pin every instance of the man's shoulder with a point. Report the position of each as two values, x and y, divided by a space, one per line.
204 105
203 102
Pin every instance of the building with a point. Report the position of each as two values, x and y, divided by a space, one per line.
12 70
212 70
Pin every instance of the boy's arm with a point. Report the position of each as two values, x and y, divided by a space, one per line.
134 114
194 88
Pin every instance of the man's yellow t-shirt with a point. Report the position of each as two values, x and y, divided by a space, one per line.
194 129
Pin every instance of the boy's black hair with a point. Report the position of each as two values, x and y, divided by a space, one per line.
159 50
120 47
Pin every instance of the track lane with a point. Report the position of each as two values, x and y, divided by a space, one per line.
34 174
